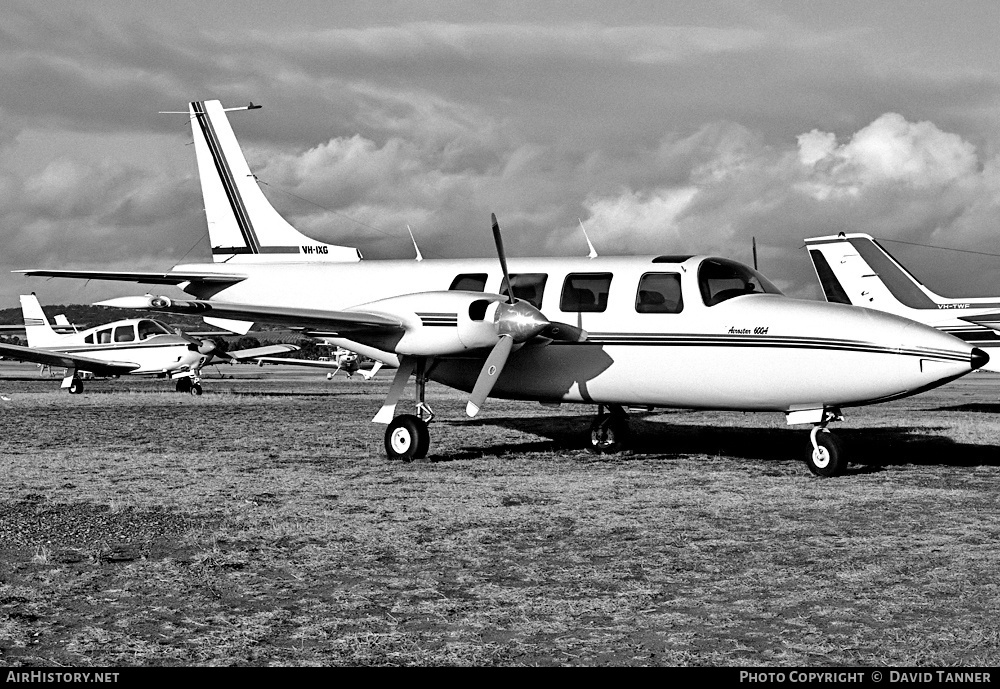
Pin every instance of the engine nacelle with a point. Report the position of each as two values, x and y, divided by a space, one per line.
441 323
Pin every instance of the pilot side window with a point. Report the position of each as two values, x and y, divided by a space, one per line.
104 336
528 286
585 292
659 293
149 328
470 282
720 279
124 333
89 339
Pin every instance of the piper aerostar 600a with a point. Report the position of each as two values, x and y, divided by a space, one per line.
856 269
649 331
136 346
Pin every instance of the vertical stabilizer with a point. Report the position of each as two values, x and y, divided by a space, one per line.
242 224
855 269
36 325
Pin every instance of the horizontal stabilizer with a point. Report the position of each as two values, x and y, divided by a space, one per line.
989 320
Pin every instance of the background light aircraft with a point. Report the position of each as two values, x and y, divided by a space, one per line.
343 360
136 346
856 269
651 331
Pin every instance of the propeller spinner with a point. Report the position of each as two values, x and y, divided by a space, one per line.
517 322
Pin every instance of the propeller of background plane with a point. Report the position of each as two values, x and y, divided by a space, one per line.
205 346
517 321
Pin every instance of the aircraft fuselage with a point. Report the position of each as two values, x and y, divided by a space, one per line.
751 352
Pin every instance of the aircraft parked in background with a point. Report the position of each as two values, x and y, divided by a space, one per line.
343 360
136 346
651 331
856 269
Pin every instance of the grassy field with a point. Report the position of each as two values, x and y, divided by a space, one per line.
260 524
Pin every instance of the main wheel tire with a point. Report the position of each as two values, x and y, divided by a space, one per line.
183 385
407 438
609 434
75 386
195 389
827 458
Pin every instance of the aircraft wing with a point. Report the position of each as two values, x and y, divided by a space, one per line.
298 362
168 278
258 352
81 363
339 322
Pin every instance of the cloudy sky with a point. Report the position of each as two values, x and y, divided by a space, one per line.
684 127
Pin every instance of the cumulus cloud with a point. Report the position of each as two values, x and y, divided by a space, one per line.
888 151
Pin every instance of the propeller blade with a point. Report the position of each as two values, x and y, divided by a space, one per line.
503 258
488 376
564 332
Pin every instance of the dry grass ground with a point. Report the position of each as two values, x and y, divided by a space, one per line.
260 524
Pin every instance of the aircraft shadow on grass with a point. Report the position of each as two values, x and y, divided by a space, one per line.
980 407
870 449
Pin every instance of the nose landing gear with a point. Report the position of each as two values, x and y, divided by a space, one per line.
609 433
826 457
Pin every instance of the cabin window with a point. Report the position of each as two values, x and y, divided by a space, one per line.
89 339
149 328
124 333
469 282
585 292
659 293
527 286
720 279
104 336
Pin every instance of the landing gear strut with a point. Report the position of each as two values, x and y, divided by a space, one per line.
826 457
610 431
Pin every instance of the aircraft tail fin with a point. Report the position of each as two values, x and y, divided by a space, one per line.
856 269
36 324
243 226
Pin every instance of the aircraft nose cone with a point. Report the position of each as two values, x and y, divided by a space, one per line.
979 358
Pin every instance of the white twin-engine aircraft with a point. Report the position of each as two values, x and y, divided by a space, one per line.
856 269
615 332
136 346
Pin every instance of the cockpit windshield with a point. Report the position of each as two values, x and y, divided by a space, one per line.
720 279
148 328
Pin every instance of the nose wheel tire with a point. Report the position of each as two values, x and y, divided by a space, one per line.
195 389
826 456
407 438
609 434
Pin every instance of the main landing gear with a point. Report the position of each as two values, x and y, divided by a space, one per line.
609 433
75 386
407 436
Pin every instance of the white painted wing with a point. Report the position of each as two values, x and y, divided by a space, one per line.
82 363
